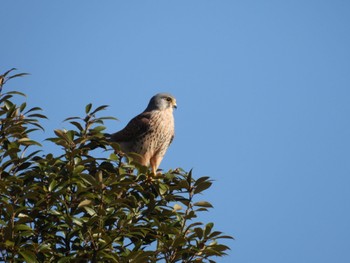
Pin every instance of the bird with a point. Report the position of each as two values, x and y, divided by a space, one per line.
150 133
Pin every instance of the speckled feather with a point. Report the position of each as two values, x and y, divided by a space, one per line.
150 133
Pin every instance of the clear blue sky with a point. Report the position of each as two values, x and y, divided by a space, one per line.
263 91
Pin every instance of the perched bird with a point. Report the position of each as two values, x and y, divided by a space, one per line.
150 133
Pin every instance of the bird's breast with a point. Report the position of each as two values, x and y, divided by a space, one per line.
156 140
161 132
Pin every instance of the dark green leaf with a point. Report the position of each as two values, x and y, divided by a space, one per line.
88 108
36 115
29 256
72 118
199 232
23 227
7 72
208 229
18 75
33 109
201 180
99 109
78 125
22 107
203 204
16 93
99 128
27 141
202 186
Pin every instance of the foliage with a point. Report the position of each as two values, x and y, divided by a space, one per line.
79 208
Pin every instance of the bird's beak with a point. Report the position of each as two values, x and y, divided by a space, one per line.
175 105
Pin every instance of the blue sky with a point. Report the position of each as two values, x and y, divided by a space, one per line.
263 91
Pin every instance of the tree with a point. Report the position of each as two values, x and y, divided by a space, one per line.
79 208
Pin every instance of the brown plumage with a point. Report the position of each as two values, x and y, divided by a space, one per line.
150 133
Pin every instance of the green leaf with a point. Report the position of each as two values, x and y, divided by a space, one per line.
113 157
78 221
108 118
29 256
64 260
44 248
208 229
18 75
70 135
195 224
220 248
203 204
60 134
99 128
78 125
9 243
33 109
7 72
24 166
52 185
72 118
201 180
199 232
202 186
27 142
78 169
90 211
6 97
16 93
163 188
84 203
37 115
22 227
179 241
89 179
225 237
22 107
189 177
99 109
88 108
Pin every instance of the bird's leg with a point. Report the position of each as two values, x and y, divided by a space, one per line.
154 169
155 161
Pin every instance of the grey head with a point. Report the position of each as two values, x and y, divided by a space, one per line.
161 101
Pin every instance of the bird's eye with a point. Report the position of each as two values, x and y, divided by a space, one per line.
168 99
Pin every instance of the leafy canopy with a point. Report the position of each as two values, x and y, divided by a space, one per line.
77 207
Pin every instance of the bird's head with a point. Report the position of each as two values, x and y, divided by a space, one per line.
162 101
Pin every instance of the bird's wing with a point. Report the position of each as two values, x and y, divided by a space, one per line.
138 126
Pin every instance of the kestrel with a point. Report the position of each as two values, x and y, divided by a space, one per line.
150 133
